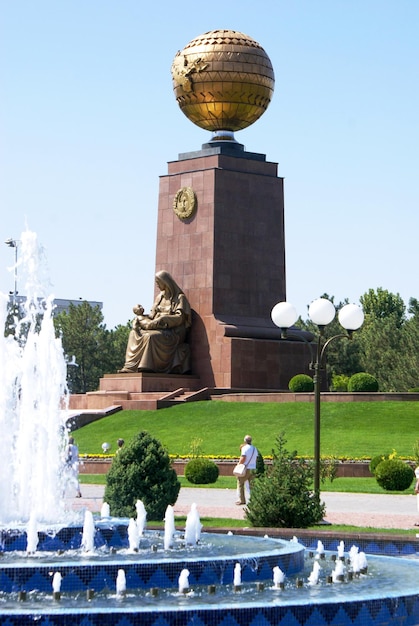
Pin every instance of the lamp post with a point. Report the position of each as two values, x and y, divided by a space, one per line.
321 312
12 243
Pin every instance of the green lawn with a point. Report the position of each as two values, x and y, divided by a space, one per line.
348 429
340 485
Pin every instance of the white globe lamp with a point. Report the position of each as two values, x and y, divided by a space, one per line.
351 317
284 315
321 312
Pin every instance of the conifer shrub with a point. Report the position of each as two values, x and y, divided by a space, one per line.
201 471
300 383
282 497
394 475
362 382
260 465
141 471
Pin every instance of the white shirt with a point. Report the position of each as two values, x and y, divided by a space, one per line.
251 455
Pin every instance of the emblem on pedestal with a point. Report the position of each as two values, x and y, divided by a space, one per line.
184 204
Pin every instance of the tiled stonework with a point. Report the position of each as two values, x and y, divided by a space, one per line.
229 257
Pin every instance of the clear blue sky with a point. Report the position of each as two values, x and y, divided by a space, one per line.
88 122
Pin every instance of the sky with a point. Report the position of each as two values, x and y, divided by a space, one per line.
89 121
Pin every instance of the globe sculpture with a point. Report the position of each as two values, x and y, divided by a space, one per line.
223 81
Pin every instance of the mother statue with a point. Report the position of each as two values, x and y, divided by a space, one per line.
156 342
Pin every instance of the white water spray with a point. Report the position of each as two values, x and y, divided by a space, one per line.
56 582
169 527
237 576
278 577
32 538
313 578
133 536
141 517
121 583
193 526
33 394
88 538
183 581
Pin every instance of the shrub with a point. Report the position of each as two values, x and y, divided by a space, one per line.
141 471
394 475
260 465
376 460
201 471
300 383
282 496
339 382
362 382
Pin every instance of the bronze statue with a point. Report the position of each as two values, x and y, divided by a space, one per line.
156 342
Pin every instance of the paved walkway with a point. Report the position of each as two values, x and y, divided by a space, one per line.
377 511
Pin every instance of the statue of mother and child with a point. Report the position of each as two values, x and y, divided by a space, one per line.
156 342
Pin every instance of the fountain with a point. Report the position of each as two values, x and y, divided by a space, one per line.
112 571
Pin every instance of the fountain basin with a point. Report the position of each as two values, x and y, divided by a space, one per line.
387 594
211 562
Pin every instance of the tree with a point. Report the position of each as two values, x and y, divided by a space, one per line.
141 471
85 336
382 304
381 342
113 356
282 497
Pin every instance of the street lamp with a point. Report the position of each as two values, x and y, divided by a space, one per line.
12 243
321 312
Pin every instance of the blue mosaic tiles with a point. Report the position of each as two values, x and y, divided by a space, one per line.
251 606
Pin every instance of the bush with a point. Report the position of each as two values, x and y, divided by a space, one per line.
362 382
141 471
339 382
282 496
394 475
300 383
260 465
376 460
201 471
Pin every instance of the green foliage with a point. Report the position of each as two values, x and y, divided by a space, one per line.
201 471
394 475
141 471
381 304
339 382
376 460
83 335
362 382
300 383
260 464
354 430
196 448
282 496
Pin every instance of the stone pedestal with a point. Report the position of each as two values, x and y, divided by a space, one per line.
229 258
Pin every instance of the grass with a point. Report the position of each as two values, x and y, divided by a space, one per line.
350 430
339 485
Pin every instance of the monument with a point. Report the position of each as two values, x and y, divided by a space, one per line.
220 230
220 238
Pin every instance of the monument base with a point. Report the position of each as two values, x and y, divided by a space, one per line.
140 391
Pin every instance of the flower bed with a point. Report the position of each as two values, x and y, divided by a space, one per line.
96 465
